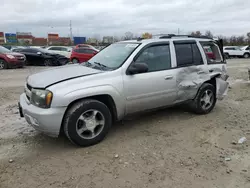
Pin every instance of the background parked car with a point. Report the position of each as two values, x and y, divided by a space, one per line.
246 48
80 55
62 50
39 56
9 59
12 48
235 51
209 52
86 46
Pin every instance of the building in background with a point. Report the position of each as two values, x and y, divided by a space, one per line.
2 38
52 38
79 40
11 38
65 41
107 39
39 41
92 41
24 38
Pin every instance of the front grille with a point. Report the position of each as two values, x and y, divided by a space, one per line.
28 97
28 88
20 58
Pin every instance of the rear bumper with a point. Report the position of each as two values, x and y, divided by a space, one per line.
47 121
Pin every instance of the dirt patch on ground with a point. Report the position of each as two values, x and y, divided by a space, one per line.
167 148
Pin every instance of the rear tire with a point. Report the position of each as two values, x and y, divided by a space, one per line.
87 122
246 55
205 99
3 64
74 61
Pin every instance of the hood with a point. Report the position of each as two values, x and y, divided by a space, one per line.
50 77
14 54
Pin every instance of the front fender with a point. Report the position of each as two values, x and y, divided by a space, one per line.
72 96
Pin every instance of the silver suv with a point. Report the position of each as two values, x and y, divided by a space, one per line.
127 77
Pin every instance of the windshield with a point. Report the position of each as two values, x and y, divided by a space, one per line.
114 55
4 50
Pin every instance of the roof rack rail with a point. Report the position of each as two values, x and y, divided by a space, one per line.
169 36
140 38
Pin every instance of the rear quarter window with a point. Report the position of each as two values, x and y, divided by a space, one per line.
212 52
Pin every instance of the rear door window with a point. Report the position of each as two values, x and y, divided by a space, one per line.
81 50
55 48
187 54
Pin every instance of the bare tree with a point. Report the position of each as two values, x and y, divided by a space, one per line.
248 34
196 33
209 34
240 40
128 36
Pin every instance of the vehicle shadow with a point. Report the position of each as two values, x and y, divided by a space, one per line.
151 118
139 122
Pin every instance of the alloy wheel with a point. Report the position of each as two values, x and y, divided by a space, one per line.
207 99
1 64
90 124
47 62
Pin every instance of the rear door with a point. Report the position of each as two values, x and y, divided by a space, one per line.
230 51
90 53
82 55
191 71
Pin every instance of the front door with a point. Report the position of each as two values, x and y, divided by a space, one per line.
152 89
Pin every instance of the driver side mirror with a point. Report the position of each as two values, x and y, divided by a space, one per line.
38 53
137 68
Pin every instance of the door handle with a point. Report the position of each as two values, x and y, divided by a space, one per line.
168 77
200 72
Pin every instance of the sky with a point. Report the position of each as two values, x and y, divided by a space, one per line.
96 18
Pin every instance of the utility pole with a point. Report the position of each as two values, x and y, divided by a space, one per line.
70 29
178 31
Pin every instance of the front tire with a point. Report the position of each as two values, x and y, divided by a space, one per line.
3 64
47 62
87 122
205 99
246 55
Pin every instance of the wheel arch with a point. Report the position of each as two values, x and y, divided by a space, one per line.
211 81
104 98
1 58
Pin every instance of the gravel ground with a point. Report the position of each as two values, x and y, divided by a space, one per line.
167 148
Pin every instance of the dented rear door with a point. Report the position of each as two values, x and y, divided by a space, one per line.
191 69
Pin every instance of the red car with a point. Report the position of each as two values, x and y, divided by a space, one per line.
9 59
209 52
85 46
80 55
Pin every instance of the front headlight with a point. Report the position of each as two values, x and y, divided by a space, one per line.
41 98
10 56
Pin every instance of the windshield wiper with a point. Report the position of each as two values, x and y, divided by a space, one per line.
101 65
